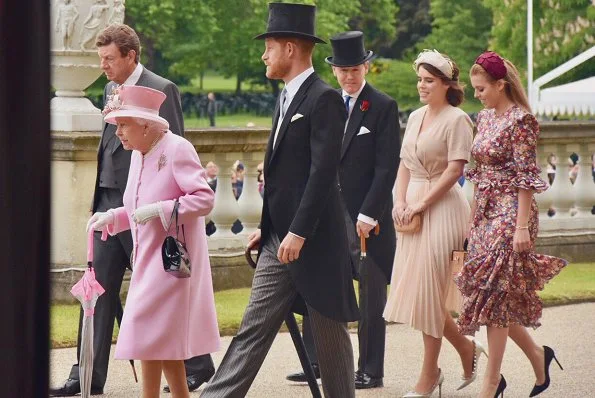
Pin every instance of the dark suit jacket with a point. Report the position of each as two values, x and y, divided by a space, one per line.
171 110
368 170
301 195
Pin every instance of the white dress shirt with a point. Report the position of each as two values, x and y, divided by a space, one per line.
353 99
291 89
135 75
354 96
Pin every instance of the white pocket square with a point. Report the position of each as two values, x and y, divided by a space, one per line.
296 117
363 130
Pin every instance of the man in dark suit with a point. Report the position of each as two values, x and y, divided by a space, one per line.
369 162
119 52
211 108
304 259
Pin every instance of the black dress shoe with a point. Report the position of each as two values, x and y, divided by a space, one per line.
72 387
196 380
300 377
364 381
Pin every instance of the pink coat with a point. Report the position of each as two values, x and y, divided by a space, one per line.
167 318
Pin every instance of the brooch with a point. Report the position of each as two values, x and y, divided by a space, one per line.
162 162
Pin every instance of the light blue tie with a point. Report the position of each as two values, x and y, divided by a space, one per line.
283 103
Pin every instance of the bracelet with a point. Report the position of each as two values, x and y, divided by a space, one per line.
525 227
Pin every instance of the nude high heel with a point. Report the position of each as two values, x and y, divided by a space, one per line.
478 350
438 383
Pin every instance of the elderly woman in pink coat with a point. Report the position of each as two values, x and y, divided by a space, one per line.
167 319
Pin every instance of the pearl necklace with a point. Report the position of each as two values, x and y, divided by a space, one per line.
154 143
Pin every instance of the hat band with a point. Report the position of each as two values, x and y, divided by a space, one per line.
139 108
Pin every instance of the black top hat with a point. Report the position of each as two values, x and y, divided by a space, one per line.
291 20
348 49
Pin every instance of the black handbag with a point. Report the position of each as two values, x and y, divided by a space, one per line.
176 260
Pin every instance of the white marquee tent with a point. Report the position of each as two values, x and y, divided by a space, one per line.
576 98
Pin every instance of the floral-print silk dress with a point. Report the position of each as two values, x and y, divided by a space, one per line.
499 286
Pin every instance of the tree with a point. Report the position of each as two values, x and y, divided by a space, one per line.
377 19
562 30
460 29
413 23
236 53
176 35
397 79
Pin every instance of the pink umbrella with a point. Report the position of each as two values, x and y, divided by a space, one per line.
87 291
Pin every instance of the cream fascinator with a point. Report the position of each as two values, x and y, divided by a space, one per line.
437 60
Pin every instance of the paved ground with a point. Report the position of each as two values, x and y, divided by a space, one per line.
570 330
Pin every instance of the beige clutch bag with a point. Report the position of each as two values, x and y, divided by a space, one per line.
411 228
458 259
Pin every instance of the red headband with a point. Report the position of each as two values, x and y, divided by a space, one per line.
493 64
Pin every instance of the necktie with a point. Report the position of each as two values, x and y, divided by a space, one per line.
347 99
283 101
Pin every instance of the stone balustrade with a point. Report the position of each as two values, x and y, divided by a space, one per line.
569 233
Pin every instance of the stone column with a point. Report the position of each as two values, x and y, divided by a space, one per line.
544 199
583 186
562 189
74 167
250 202
226 209
75 64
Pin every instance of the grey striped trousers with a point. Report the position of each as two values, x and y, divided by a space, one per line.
272 296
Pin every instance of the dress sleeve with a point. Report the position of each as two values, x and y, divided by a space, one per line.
121 221
460 138
524 147
198 198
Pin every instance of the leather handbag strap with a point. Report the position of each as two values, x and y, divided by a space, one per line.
174 213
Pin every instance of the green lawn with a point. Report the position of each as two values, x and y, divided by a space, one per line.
576 283
238 120
219 84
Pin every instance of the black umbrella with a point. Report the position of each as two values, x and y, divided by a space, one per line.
364 285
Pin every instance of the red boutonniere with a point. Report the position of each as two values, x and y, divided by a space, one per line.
365 105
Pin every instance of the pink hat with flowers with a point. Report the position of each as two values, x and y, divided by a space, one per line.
135 101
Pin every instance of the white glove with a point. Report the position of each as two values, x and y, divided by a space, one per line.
100 220
144 213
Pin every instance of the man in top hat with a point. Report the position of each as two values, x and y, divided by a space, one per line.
119 52
304 259
368 168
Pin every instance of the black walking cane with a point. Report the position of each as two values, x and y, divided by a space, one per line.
298 342
363 281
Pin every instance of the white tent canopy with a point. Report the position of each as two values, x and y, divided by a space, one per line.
576 98
573 98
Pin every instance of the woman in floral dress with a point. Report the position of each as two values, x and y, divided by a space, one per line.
502 275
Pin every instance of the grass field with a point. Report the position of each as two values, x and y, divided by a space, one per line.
219 84
238 120
576 283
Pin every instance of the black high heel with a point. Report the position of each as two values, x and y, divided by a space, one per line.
501 387
548 356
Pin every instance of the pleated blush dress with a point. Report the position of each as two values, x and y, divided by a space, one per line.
422 277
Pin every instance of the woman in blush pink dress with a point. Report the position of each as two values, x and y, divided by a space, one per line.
166 320
503 273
